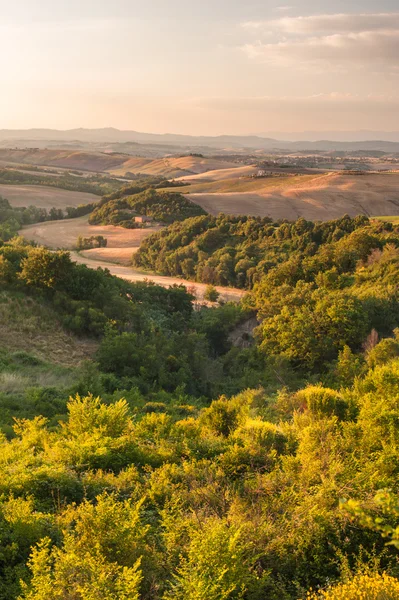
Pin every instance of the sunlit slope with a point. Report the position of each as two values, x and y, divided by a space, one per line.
221 174
114 163
172 167
66 159
322 197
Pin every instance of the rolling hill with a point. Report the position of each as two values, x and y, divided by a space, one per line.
321 197
173 167
115 164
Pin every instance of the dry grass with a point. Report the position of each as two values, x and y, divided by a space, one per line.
221 174
115 164
172 167
44 197
90 161
246 184
119 256
64 234
26 325
321 197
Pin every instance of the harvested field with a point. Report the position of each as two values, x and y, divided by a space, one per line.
220 174
64 234
75 159
172 167
44 197
321 197
246 184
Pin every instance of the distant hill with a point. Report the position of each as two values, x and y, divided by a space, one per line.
362 135
116 164
254 142
319 197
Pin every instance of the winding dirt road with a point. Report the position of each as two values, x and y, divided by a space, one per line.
130 274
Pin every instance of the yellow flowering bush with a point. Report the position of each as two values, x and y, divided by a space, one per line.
364 586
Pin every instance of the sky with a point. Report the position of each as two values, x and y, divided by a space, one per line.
204 67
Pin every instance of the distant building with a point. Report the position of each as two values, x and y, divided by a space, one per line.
143 219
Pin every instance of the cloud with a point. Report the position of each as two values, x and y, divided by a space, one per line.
333 100
364 48
335 23
339 40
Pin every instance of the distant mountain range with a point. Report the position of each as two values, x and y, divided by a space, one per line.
333 136
226 142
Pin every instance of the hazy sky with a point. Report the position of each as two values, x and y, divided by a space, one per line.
201 67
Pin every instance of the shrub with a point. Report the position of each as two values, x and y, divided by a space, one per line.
364 586
211 294
323 401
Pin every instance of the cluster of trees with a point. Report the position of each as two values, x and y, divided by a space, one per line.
239 251
184 466
164 207
13 218
141 183
94 241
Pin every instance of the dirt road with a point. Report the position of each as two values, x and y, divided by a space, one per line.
130 274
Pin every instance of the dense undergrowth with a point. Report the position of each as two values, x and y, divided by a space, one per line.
206 470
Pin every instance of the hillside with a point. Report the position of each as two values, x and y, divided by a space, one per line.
220 174
172 167
87 161
44 197
160 206
30 325
181 462
116 164
320 197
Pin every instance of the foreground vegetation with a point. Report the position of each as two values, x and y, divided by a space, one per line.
182 462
